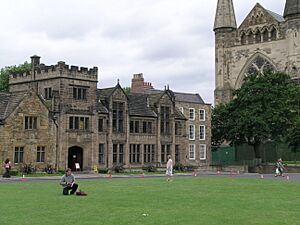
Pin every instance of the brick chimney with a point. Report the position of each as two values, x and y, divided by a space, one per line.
138 85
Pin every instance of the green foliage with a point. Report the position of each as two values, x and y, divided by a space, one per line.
264 108
293 137
8 70
127 90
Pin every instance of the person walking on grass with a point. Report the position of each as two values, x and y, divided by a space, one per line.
279 168
68 183
169 171
7 167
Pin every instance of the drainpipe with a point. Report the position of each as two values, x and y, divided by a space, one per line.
56 142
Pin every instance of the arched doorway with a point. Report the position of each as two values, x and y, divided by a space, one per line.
75 156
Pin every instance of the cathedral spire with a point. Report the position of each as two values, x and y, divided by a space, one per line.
225 16
292 8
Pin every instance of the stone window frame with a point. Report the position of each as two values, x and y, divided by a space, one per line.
165 120
40 154
82 124
135 153
48 93
118 153
165 151
149 153
118 119
30 122
101 153
19 154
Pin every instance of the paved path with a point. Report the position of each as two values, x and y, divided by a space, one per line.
291 177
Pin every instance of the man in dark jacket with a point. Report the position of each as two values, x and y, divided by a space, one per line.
68 183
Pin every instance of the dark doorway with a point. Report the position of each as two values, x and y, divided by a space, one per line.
75 156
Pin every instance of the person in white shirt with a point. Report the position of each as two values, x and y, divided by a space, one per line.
169 171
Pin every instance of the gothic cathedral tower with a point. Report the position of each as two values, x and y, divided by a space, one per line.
264 40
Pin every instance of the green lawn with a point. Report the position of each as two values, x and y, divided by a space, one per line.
186 201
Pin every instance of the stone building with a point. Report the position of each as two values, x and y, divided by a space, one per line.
55 115
197 129
264 40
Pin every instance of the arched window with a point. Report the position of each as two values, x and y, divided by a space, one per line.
265 35
258 66
273 34
250 38
243 38
257 37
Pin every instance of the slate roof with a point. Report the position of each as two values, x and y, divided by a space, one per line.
278 17
179 96
8 102
139 105
105 92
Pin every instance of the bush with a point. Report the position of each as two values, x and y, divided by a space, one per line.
13 172
149 168
102 170
118 168
179 167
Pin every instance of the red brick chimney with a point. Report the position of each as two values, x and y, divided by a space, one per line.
138 85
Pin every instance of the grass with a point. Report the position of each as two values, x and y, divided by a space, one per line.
147 201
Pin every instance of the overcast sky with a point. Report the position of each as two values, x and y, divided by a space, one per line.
169 41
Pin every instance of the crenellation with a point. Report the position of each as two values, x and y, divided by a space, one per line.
60 70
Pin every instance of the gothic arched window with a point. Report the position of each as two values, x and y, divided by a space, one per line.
273 34
265 35
250 38
257 37
258 66
243 38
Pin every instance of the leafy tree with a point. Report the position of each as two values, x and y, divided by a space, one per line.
127 90
263 108
8 70
293 137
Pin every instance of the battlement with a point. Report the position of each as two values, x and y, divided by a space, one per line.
41 71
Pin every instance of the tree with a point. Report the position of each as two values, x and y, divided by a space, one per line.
127 90
8 70
293 137
264 108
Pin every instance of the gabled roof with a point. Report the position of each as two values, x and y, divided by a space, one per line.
9 102
260 16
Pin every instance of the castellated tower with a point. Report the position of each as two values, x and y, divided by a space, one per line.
67 87
264 41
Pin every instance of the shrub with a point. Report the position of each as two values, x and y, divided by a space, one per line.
118 168
102 170
150 168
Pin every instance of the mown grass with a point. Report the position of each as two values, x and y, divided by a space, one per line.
147 201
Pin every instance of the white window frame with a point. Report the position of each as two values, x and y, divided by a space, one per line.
202 138
202 110
202 152
192 150
192 135
193 111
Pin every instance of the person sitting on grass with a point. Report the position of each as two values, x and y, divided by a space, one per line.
68 183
